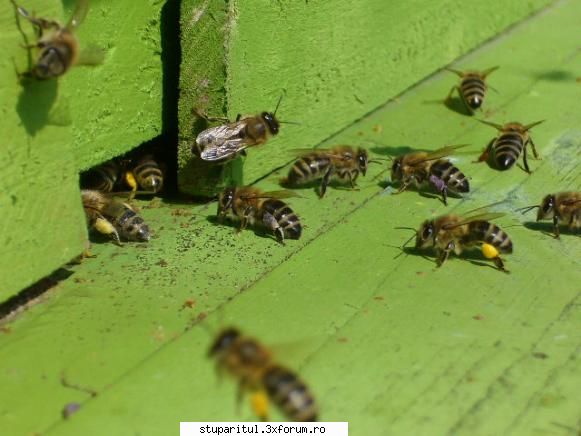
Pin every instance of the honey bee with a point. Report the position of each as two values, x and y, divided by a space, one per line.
472 88
252 364
421 168
112 217
146 174
102 178
253 205
563 207
512 140
58 47
342 162
226 141
454 233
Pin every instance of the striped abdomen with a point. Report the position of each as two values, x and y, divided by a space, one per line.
484 231
290 394
308 168
278 215
454 179
102 178
127 222
473 90
148 174
507 149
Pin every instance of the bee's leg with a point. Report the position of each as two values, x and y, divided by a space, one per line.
524 159
325 182
500 264
556 227
238 116
535 154
486 153
441 187
248 212
132 183
353 177
445 253
242 386
454 88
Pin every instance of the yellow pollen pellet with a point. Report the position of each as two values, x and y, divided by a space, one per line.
489 251
259 401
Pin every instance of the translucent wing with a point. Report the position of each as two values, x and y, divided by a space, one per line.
438 154
285 193
91 55
79 14
222 142
571 202
322 152
486 216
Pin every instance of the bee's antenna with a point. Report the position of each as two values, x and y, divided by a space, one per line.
379 160
278 104
531 125
490 123
527 209
411 238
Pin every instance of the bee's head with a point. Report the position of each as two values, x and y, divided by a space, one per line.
547 208
223 341
226 201
396 169
271 122
362 160
52 63
425 235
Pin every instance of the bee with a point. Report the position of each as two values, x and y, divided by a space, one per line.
512 140
112 217
252 364
421 168
472 88
226 141
342 162
103 177
146 173
561 207
454 233
253 205
58 47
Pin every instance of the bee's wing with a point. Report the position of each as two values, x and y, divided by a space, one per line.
79 14
221 142
91 55
438 154
571 201
285 193
299 152
485 216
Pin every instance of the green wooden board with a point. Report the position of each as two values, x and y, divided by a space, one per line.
394 346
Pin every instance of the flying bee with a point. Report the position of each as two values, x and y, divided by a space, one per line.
454 233
512 140
342 162
253 205
563 207
252 364
225 142
102 178
112 217
58 47
421 168
472 88
146 173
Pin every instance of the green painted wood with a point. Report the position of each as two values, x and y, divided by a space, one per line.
118 105
337 60
391 345
42 225
53 130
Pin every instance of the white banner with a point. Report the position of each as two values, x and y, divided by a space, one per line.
292 428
